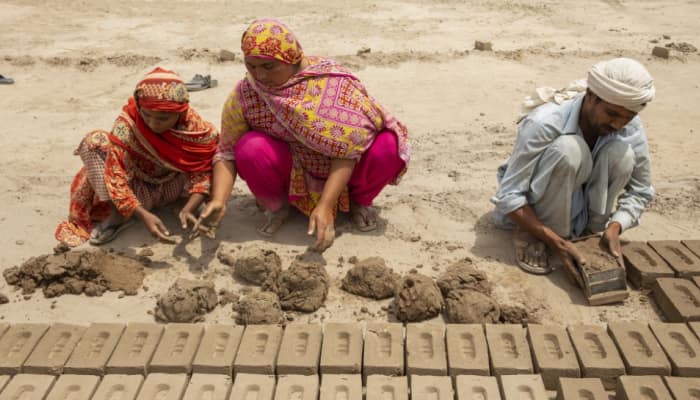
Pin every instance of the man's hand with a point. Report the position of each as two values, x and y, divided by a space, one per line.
322 222
570 257
611 239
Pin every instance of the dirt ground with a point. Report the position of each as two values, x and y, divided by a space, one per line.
76 62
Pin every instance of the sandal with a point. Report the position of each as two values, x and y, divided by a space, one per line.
528 248
359 215
201 82
6 81
100 235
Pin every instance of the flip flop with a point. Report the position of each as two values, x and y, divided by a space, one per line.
201 82
6 81
278 220
366 227
524 241
104 235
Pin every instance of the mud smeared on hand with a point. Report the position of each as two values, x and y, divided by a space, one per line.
371 278
186 301
303 287
259 308
417 298
466 306
254 265
77 272
462 275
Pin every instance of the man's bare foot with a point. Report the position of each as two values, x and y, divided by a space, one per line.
364 218
531 254
274 222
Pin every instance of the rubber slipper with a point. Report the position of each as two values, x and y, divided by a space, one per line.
201 82
520 241
272 219
6 81
107 234
366 227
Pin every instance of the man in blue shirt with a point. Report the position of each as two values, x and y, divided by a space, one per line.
579 167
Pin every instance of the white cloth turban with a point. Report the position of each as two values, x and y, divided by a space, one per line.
622 81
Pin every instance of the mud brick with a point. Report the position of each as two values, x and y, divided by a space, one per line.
380 387
425 349
431 388
217 349
695 327
642 387
581 389
596 354
300 351
297 387
27 387
516 387
16 345
508 349
346 387
467 351
253 386
679 299
177 348
135 349
258 350
681 347
644 265
74 387
342 349
3 381
163 387
553 354
51 353
692 245
473 387
118 387
208 387
683 388
91 354
640 351
679 257
384 350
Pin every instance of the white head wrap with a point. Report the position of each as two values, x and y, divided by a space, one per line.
622 81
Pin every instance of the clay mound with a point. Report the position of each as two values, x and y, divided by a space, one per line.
461 275
371 278
255 265
259 308
417 298
303 287
186 301
465 306
514 314
76 272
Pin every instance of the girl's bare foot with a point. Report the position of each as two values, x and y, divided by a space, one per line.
364 218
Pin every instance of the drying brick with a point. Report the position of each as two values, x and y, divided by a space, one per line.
300 350
54 348
681 347
384 349
3 381
679 257
135 349
74 387
683 388
474 387
581 389
678 299
208 387
467 351
431 388
217 350
644 265
508 349
163 387
639 348
258 350
693 245
642 387
27 387
253 386
425 349
91 354
516 387
177 348
597 354
16 345
297 387
118 387
553 354
345 387
380 387
342 349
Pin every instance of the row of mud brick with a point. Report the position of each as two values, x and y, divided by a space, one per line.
390 349
672 270
160 386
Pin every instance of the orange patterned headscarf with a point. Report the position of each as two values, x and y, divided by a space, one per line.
162 90
270 38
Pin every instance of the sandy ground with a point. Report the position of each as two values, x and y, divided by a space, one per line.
75 63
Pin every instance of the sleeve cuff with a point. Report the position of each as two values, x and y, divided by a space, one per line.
624 219
508 204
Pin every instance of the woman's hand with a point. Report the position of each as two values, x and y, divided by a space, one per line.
154 225
210 218
187 213
322 222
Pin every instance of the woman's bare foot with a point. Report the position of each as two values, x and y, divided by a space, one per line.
274 222
364 218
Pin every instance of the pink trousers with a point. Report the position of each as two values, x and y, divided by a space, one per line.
265 163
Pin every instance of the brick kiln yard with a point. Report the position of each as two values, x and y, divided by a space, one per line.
75 63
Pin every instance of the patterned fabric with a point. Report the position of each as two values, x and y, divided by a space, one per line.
132 166
323 112
269 38
162 90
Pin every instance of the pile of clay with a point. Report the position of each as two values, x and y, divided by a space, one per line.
186 301
302 287
77 272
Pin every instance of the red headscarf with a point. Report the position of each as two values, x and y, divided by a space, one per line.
191 146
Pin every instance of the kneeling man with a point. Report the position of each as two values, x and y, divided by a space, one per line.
579 167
